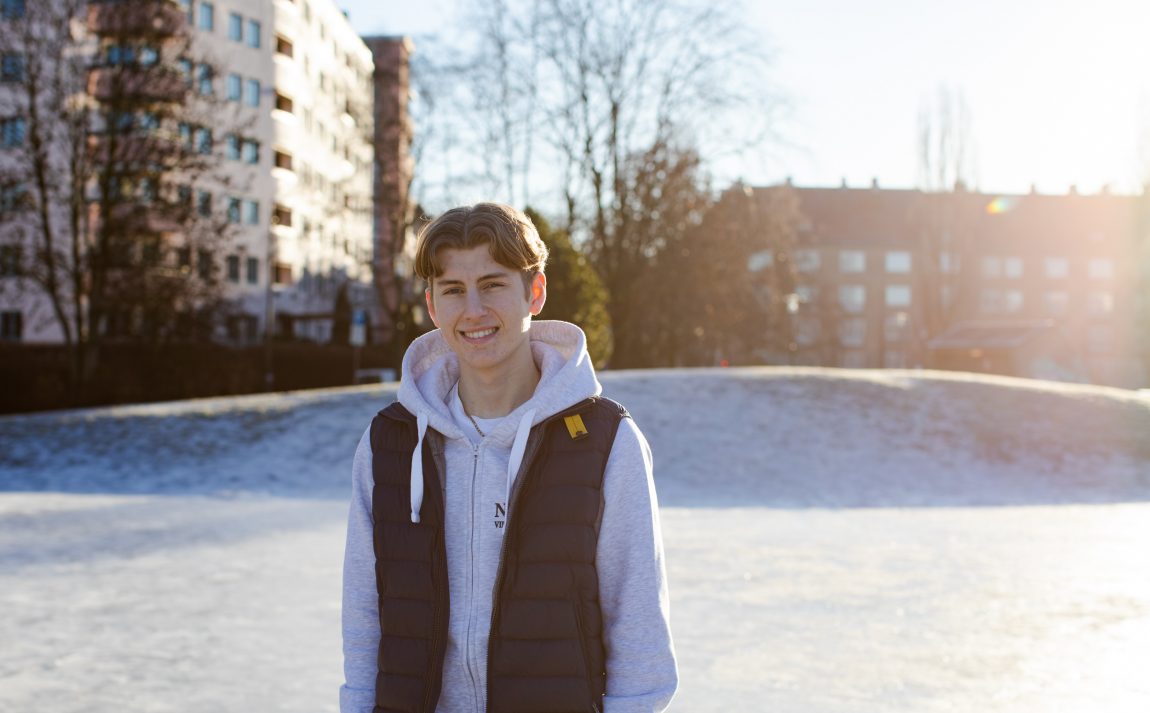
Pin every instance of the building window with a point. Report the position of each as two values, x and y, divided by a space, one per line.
1100 268
898 261
11 9
284 46
189 12
282 274
854 359
233 268
252 212
204 204
203 140
234 210
254 34
852 332
11 67
898 295
11 260
284 103
252 96
12 131
895 326
1100 304
807 260
253 270
235 27
283 160
894 359
11 326
251 152
282 216
233 147
235 87
948 263
991 266
1012 267
13 196
205 76
760 260
807 331
1013 301
852 261
207 16
1055 302
204 264
1057 268
852 298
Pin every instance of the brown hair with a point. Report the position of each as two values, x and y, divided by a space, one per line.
510 236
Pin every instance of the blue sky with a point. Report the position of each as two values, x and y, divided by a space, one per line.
1056 89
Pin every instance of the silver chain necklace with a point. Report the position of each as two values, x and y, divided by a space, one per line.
473 423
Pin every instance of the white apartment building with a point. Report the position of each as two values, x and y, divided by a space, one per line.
295 171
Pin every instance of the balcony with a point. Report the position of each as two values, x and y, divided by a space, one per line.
127 83
139 18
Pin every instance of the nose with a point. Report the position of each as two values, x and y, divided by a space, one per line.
474 305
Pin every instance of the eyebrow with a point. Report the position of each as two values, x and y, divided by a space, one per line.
489 276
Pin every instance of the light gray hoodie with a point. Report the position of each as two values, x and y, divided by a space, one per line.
641 670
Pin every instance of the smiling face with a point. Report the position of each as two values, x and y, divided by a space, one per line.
484 311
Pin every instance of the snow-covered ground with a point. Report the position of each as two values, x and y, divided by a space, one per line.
837 541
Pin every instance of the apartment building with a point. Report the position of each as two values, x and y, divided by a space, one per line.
1034 285
289 86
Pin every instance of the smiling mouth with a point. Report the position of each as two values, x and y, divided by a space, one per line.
480 334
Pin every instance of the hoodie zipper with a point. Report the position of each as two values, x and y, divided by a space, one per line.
471 574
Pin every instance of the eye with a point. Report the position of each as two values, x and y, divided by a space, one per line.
492 285
451 291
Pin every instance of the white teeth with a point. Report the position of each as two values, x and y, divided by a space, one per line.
480 334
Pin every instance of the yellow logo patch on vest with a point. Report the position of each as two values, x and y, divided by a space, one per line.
575 426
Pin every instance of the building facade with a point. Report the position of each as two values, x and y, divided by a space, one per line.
284 88
1037 285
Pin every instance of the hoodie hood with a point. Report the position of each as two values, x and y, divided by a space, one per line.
431 370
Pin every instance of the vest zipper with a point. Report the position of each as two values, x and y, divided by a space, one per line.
528 461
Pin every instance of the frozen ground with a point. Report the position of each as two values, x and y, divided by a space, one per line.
837 541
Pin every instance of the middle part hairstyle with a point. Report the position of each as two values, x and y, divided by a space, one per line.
510 236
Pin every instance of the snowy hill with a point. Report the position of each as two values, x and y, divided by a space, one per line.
774 437
837 542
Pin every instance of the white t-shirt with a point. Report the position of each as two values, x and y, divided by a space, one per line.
459 414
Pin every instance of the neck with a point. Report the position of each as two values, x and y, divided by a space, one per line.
494 395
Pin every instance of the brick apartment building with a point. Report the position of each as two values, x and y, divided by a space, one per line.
1052 286
299 199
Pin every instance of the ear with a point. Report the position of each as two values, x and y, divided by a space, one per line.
538 293
430 305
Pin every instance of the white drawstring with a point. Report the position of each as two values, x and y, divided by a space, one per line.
417 469
518 446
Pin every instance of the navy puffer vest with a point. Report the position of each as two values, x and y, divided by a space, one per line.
545 652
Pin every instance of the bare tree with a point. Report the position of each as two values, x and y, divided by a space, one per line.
947 168
568 94
117 173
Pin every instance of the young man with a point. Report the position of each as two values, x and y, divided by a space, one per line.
503 547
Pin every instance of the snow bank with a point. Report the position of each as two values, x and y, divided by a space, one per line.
837 541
